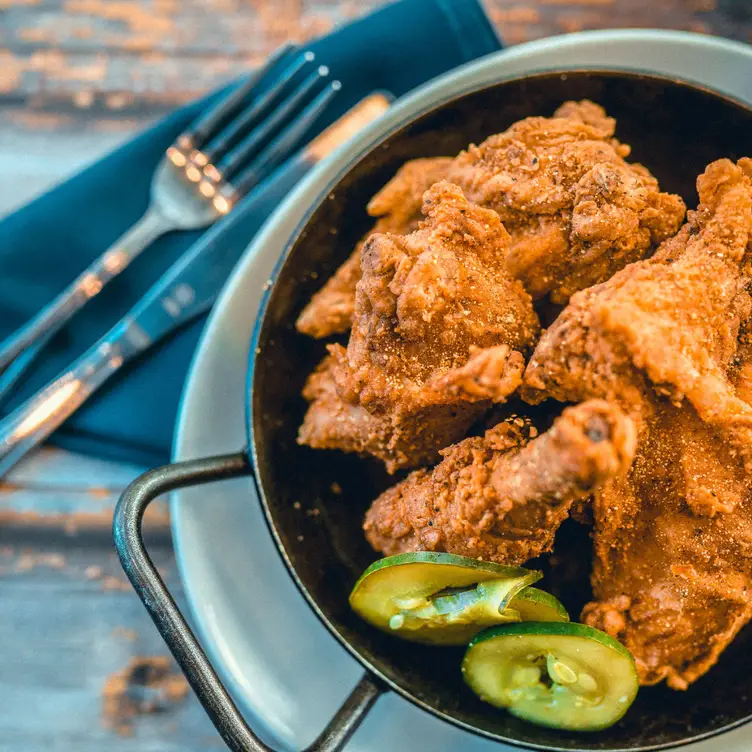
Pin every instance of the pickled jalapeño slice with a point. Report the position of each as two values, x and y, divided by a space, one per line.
437 598
555 674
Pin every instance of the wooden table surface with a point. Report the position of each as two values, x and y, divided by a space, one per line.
76 78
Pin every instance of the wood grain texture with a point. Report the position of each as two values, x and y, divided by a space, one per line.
69 621
95 71
137 56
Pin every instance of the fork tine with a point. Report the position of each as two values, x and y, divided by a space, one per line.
223 141
203 129
282 147
239 155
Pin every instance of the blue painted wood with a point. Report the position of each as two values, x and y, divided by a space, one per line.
70 619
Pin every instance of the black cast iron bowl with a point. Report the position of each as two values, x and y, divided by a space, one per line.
676 129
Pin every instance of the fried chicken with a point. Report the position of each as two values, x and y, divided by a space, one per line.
413 438
501 497
673 536
679 315
398 208
672 573
438 337
575 209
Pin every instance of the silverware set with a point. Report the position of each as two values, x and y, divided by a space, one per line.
237 161
200 178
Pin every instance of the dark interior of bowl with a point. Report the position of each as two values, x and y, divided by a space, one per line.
316 499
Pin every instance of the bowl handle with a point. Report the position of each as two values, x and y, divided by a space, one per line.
173 627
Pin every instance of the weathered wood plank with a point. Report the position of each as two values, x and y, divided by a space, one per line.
69 621
124 55
51 469
95 71
59 491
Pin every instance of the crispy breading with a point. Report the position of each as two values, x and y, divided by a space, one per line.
398 208
666 339
439 333
501 497
575 209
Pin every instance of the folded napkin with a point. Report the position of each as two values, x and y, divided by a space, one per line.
46 244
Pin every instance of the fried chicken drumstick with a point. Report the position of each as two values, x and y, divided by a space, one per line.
438 337
576 210
501 497
665 338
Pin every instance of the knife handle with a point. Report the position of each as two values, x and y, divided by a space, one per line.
54 316
32 422
21 348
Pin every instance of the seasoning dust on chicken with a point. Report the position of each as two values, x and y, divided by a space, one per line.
646 372
575 209
439 335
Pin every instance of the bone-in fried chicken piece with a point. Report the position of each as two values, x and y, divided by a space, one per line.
673 319
678 315
575 209
676 587
426 297
499 497
666 580
673 552
438 336
397 206
407 439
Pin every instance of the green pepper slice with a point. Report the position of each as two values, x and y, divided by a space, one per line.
437 598
556 674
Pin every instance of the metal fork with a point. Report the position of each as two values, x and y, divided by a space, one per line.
208 169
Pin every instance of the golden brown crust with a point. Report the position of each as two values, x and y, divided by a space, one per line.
575 209
398 208
672 578
330 310
679 315
502 497
664 338
332 422
437 340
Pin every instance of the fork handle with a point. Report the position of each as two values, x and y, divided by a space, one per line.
36 419
54 316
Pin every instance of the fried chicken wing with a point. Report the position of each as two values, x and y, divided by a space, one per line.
662 339
673 319
438 337
679 315
501 497
576 210
398 208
